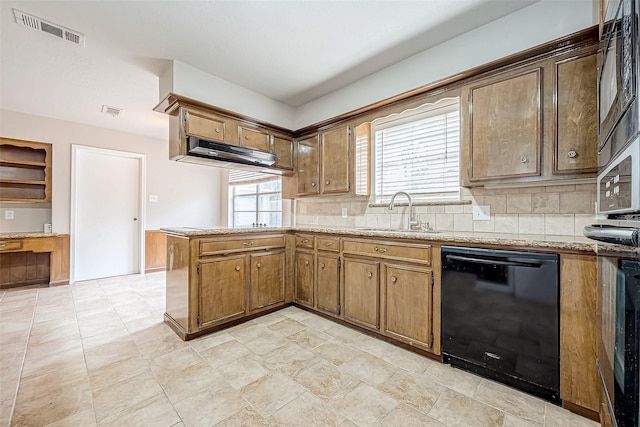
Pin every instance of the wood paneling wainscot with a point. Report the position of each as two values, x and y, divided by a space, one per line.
155 251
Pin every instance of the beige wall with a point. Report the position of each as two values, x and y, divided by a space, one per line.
552 210
188 194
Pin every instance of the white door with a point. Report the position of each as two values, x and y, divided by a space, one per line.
107 220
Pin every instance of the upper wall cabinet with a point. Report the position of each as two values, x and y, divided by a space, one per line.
536 122
254 138
25 171
308 171
335 154
283 149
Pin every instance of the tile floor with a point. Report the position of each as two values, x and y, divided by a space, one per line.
97 353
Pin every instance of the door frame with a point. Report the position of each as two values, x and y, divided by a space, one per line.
75 150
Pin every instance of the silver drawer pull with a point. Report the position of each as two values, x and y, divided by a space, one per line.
523 159
305 241
306 263
246 137
382 250
327 182
322 265
258 265
394 279
313 184
247 244
572 154
237 268
327 244
217 130
369 275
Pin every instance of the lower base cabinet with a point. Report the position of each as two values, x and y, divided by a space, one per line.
267 279
304 279
408 304
362 292
222 290
328 284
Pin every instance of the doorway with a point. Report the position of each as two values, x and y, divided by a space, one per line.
107 211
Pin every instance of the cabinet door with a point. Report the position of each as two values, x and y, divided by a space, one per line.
335 161
204 126
308 166
362 293
408 304
304 278
328 284
283 149
267 279
576 115
222 289
506 127
254 139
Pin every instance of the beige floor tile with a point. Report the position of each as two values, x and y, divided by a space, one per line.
243 371
290 359
370 369
309 339
189 381
269 319
6 408
84 418
109 337
421 394
36 350
271 392
305 410
244 334
111 352
266 344
455 379
295 313
287 326
225 353
247 417
73 359
405 416
325 380
453 408
115 398
347 423
156 411
173 361
112 373
559 417
407 360
162 346
373 346
317 323
343 334
512 401
152 333
210 407
364 405
336 352
511 421
207 341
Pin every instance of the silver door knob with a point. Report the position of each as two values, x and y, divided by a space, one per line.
523 159
237 268
322 265
313 184
572 154
135 219
306 263
327 182
394 279
369 275
258 265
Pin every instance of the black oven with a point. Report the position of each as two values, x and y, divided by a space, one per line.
619 344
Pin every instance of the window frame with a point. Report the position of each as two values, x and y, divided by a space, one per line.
439 107
233 195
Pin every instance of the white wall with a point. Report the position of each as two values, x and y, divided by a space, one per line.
534 25
188 194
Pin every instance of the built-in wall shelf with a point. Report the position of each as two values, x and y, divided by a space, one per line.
25 171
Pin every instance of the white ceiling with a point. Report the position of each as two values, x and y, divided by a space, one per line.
291 51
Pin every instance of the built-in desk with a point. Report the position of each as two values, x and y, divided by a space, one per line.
34 258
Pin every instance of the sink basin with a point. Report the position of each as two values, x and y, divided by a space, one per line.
401 230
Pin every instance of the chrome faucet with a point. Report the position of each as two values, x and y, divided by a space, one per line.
410 222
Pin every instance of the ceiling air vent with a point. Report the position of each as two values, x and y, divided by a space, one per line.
113 111
36 23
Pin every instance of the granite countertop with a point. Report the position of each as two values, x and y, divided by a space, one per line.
26 235
570 243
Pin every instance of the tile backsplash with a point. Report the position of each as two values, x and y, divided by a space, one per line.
551 210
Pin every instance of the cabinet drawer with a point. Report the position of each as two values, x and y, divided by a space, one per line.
329 244
10 245
304 241
213 247
400 251
254 139
203 126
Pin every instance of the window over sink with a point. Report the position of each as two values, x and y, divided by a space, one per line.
418 151
255 199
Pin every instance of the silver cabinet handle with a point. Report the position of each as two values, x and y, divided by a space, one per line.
247 244
382 250
572 154
258 265
237 268
246 137
306 263
322 265
327 182
217 130
305 241
328 244
369 275
394 279
523 159
313 184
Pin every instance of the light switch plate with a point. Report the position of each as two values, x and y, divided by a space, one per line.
153 198
8 214
481 213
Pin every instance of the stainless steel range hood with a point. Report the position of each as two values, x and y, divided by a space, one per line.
216 151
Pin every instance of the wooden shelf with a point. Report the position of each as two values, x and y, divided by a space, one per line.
25 171
22 163
22 182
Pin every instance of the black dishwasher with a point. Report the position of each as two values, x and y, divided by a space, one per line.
500 317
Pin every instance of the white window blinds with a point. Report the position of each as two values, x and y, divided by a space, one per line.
241 176
419 152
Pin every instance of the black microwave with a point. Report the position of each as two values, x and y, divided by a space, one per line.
618 71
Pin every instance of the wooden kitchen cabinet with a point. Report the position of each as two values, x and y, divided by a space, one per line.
335 160
304 278
267 279
362 292
506 126
328 283
254 138
222 284
408 304
204 125
308 169
25 171
283 149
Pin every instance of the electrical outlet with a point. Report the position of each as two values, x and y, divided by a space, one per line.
8 214
344 213
481 213
153 198
47 228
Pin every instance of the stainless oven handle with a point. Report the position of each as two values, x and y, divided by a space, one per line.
611 234
494 262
